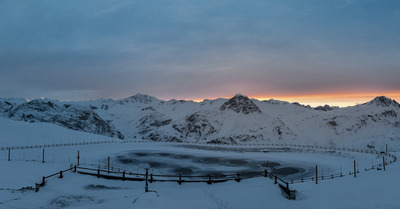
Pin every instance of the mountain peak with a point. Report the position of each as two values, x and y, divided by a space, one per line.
383 101
140 98
239 95
240 104
326 108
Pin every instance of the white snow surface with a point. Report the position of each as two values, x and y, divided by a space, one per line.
371 189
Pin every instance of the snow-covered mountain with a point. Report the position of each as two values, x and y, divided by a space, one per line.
231 121
71 116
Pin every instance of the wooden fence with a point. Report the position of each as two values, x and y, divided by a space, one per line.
150 178
284 185
62 144
60 175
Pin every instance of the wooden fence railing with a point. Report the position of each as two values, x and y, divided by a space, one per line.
60 175
209 179
59 145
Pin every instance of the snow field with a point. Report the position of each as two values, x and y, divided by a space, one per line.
372 189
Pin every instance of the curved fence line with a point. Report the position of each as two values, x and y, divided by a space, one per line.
283 184
256 146
315 178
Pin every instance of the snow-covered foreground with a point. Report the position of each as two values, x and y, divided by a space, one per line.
371 189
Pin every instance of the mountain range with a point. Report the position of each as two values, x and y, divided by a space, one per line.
238 120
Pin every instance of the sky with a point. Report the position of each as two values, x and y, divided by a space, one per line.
339 52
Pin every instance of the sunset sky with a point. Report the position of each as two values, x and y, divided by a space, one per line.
337 52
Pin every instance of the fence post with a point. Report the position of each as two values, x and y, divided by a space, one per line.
123 176
108 165
265 173
287 186
43 156
78 158
276 179
98 173
9 154
355 171
61 175
384 167
238 177
147 184
316 174
151 178
209 179
74 168
180 179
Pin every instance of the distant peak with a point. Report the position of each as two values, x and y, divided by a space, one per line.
240 95
383 101
141 98
240 104
326 108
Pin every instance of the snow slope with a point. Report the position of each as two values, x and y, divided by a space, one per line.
18 133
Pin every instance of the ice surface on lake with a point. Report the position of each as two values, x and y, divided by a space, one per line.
169 163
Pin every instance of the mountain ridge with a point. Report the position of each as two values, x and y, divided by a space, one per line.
145 98
229 121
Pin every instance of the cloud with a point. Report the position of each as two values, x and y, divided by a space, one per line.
196 49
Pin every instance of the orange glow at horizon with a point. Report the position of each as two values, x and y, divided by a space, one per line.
332 99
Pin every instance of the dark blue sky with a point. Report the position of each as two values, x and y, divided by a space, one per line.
74 50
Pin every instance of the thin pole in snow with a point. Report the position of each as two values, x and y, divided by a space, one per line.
108 165
9 154
43 157
384 167
147 184
78 158
355 173
316 174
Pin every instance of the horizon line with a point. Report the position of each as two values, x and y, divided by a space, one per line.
312 100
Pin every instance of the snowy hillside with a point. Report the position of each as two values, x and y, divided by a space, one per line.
228 121
74 117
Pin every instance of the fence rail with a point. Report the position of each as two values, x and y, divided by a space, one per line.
62 144
209 179
129 176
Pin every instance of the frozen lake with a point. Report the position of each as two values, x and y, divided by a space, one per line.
188 164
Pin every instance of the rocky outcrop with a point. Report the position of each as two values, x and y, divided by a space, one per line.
326 108
383 102
70 116
196 126
281 130
240 104
138 98
150 125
